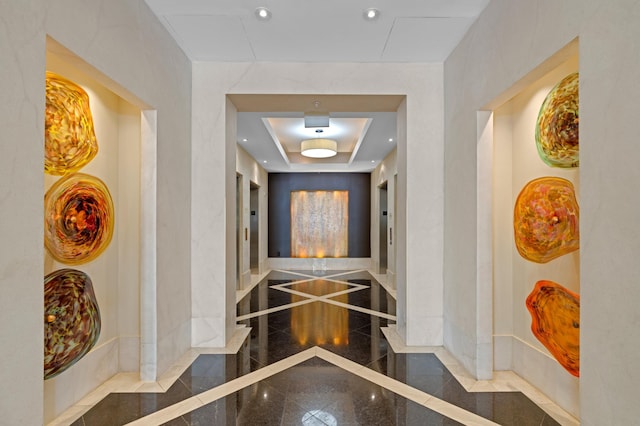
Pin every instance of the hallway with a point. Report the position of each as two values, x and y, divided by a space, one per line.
319 353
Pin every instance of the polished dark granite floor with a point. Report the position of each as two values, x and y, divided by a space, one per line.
316 392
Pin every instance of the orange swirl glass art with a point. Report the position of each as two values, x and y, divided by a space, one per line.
69 137
555 321
557 127
79 219
546 220
71 319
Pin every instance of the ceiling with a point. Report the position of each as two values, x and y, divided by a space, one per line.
270 128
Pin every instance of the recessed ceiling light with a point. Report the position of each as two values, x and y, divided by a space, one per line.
373 161
390 139
371 14
263 14
244 139
264 161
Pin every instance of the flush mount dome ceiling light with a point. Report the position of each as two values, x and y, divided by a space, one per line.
319 148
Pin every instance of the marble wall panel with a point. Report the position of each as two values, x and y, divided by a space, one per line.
491 64
137 59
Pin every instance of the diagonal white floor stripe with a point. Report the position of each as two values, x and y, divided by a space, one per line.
440 406
183 407
313 298
206 397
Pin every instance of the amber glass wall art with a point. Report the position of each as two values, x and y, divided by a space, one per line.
555 321
319 223
79 219
71 319
69 137
546 220
557 127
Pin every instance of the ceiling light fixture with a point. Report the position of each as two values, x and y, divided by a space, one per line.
263 14
319 148
371 14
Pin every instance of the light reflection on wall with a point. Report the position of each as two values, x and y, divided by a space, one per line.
320 323
319 223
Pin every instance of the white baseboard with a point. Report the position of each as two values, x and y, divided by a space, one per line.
538 368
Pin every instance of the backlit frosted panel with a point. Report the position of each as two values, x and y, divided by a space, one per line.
319 223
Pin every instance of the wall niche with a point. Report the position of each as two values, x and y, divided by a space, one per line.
116 272
517 165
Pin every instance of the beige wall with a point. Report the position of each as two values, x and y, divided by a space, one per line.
127 50
502 53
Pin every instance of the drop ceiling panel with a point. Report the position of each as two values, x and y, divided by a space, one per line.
211 37
327 31
342 38
316 10
425 39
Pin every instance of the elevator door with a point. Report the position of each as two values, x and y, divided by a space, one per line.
254 235
383 214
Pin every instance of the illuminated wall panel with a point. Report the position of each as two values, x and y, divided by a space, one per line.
319 223
282 185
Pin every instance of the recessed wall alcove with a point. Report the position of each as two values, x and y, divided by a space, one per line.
123 276
507 161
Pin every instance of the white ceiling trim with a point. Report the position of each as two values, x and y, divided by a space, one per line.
360 139
276 141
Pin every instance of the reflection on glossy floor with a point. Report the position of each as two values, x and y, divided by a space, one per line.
316 355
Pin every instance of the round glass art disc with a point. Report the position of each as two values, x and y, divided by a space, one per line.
79 219
69 137
557 128
71 319
546 220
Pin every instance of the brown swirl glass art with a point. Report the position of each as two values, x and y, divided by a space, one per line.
71 319
79 219
546 220
69 137
555 321
557 127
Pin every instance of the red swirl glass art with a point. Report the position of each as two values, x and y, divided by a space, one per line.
555 321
